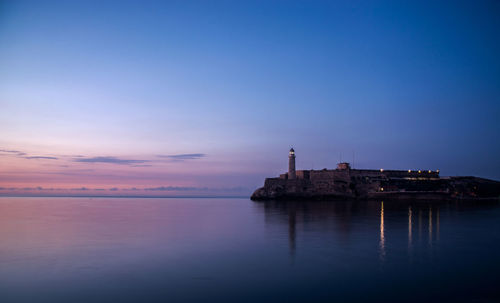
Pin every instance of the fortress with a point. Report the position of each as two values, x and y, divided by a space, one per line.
347 183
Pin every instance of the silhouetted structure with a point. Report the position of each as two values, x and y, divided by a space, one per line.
345 182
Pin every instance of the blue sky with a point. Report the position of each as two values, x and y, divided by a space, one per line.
402 85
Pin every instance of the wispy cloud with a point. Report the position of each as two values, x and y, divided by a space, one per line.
104 159
24 155
183 157
80 188
9 151
173 188
110 160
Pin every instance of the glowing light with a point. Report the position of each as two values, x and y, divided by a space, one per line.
429 171
381 170
437 170
381 189
419 171
409 170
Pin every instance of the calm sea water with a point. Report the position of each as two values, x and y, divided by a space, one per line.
236 250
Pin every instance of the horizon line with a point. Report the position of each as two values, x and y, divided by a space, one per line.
118 196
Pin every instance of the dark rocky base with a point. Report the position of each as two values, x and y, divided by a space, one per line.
384 197
454 188
345 182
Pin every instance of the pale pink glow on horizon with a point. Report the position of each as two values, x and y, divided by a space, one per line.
34 173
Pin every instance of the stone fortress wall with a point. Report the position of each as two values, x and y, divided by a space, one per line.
345 182
344 171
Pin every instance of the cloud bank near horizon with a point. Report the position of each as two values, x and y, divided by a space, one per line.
110 160
183 157
126 191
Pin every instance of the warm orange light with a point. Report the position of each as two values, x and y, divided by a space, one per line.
381 189
419 171
409 170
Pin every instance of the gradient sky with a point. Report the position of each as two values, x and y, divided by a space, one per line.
188 97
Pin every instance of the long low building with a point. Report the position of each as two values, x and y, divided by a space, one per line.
345 182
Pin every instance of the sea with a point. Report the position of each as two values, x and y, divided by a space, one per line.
85 249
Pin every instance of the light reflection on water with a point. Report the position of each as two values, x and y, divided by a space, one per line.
382 236
226 250
410 227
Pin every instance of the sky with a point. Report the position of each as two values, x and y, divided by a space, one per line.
207 97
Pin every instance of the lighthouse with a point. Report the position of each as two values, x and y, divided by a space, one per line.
291 164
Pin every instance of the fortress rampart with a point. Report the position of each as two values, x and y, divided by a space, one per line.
345 182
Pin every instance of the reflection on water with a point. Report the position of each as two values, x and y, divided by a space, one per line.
235 250
291 231
409 227
382 236
430 226
419 224
437 224
340 214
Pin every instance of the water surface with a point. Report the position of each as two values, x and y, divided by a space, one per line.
236 250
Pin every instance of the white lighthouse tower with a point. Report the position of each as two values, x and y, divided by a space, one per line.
291 164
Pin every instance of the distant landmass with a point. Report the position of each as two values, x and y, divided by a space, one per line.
347 183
